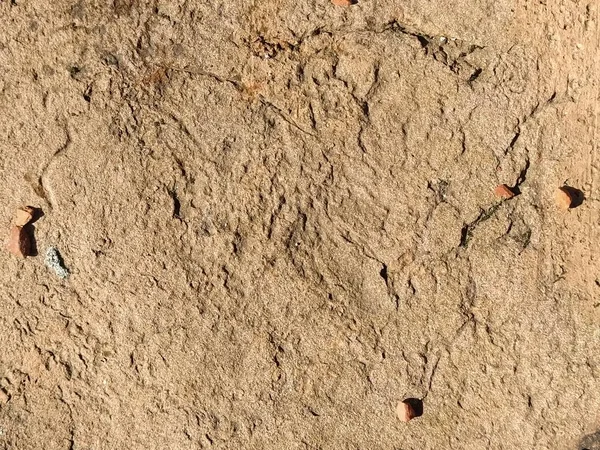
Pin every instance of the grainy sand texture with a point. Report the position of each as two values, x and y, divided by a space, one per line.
277 219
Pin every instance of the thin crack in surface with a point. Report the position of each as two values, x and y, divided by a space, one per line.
40 184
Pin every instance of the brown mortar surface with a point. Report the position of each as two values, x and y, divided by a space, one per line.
279 219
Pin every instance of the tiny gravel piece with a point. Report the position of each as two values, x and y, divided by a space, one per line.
563 198
19 242
344 2
23 216
409 409
54 261
503 191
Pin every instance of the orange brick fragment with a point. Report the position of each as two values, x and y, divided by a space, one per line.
19 242
24 215
405 412
563 198
503 191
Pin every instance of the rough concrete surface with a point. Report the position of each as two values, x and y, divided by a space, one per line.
278 221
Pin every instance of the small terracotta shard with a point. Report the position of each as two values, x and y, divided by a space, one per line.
503 191
563 198
19 242
407 409
344 2
23 216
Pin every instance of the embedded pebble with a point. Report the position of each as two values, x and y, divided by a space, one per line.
55 262
23 216
19 242
405 411
563 198
503 191
343 2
